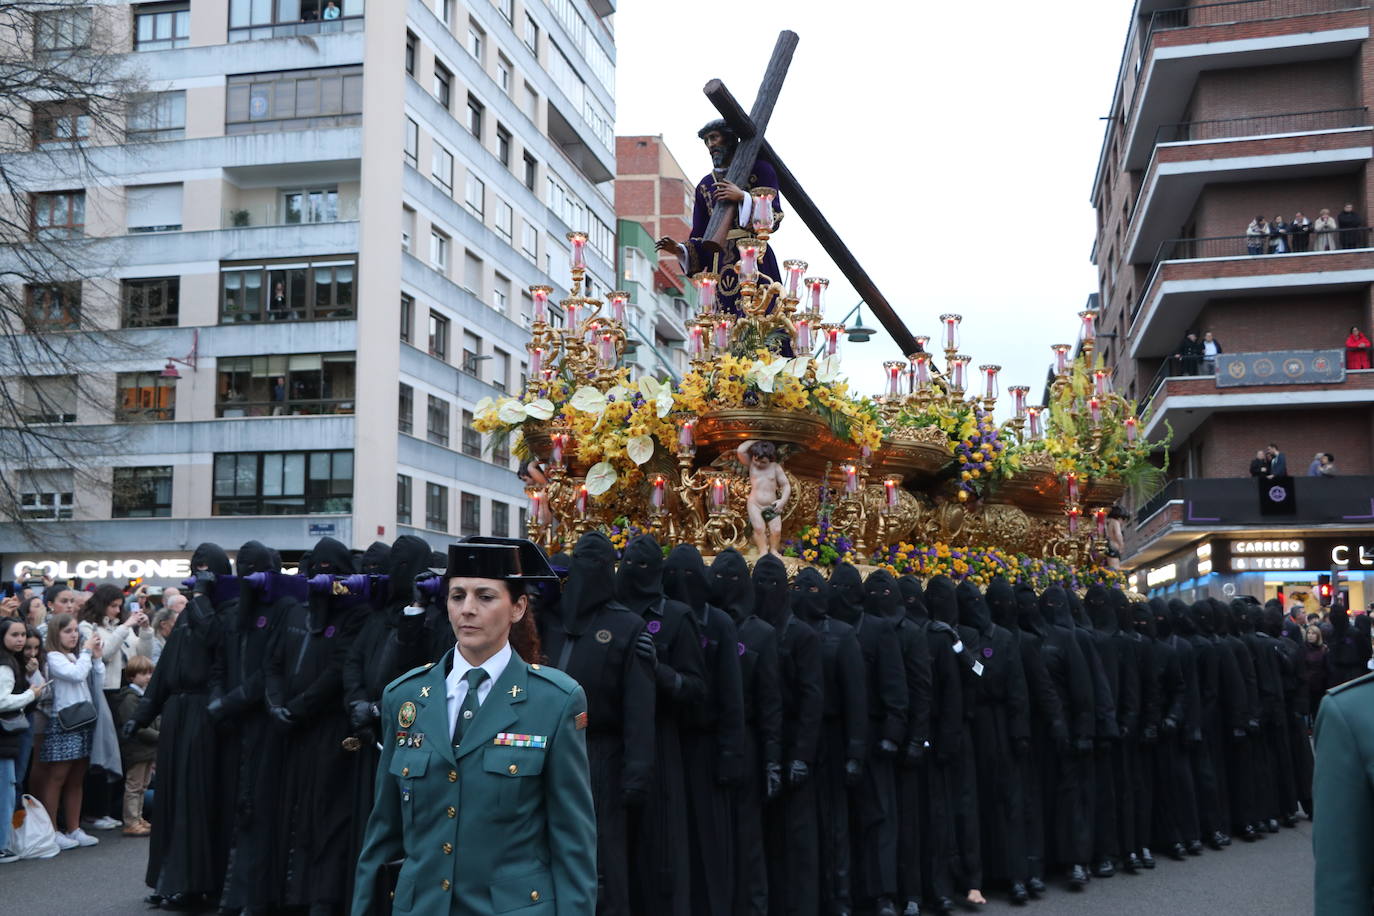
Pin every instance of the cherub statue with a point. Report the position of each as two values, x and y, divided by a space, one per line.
769 490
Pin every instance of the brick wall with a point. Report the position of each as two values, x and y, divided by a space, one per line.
1260 323
1226 209
1229 440
1245 92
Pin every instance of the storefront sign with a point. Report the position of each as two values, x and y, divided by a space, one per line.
1266 564
1161 575
118 568
1352 555
1267 547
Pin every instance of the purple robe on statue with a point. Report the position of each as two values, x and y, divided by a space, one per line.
699 256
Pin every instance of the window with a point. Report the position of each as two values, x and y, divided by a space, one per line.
636 266
62 30
503 73
505 217
160 26
475 112
254 19
601 238
436 507
443 84
152 302
472 439
438 250
282 483
500 369
61 123
503 145
472 351
524 521
294 100
298 384
405 421
142 492
157 116
438 336
310 205
49 399
500 519
407 317
470 515
444 10
529 241
500 299
477 40
288 291
436 426
405 488
531 171
472 274
46 495
145 396
475 195
59 215
566 78
507 8
412 143
442 168
532 34
408 229
531 103
55 307
412 46
153 208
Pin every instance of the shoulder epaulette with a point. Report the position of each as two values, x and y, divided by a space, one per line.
555 677
410 674
1366 679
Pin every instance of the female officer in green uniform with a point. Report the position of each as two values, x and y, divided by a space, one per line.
483 786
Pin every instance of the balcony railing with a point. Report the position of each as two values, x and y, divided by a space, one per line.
1262 125
1221 501
296 407
1186 17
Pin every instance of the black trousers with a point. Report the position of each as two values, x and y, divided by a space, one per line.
751 870
909 815
1105 822
1124 756
873 831
832 804
1143 797
792 838
1205 788
1177 802
605 754
1073 834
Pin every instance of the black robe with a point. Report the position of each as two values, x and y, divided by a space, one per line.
1240 696
660 853
592 637
913 637
844 734
1295 706
790 829
1067 812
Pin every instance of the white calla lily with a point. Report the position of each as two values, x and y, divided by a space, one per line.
797 367
600 478
589 400
511 411
483 406
540 409
640 448
828 369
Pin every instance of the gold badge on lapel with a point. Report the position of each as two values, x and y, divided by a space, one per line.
406 716
603 636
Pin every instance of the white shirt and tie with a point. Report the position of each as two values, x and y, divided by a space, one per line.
456 684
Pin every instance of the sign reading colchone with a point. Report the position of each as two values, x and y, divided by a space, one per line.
118 568
1281 367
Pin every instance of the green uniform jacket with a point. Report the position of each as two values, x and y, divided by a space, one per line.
498 825
1343 800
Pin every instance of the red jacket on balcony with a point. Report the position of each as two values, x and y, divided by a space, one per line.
1356 350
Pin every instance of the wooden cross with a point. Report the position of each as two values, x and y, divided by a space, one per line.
753 145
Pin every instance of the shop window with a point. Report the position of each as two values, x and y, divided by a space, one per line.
295 291
142 492
299 384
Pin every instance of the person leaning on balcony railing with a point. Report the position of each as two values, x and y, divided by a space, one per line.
1325 229
1349 222
1211 349
1356 350
1189 354
1278 236
1299 233
1257 235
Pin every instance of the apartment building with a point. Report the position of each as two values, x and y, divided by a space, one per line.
326 218
1226 115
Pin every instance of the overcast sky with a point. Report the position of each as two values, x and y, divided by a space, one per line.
952 146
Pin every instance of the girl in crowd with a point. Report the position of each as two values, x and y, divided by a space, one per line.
1314 667
15 695
66 752
59 599
33 611
34 665
105 613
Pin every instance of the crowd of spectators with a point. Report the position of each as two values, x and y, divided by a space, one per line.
1198 355
1326 233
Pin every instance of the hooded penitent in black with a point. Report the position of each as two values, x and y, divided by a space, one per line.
1269 778
304 693
843 744
1001 737
186 854
790 830
1115 622
874 818
712 736
1107 768
733 590
593 639
1240 697
1286 641
660 854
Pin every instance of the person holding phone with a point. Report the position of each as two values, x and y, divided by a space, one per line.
66 754
15 696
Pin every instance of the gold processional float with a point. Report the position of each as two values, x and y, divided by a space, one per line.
919 479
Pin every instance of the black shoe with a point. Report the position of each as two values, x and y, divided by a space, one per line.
944 905
1078 877
884 907
1290 820
1036 886
1194 847
180 903
1248 834
1215 840
1147 858
153 900
1225 840
912 909
1019 895
1177 852
1272 825
1104 869
1132 863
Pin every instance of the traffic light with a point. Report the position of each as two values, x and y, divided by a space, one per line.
1324 589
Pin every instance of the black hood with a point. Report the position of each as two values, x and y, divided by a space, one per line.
770 590
1144 619
846 594
731 588
1001 599
1340 620
942 601
1100 611
253 557
590 586
913 598
882 596
1028 616
1159 609
1080 613
407 558
1201 614
1272 621
810 595
375 559
685 578
330 556
1181 618
973 610
1054 607
1240 616
1121 610
639 580
211 557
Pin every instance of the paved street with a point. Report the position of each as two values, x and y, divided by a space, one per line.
1270 876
